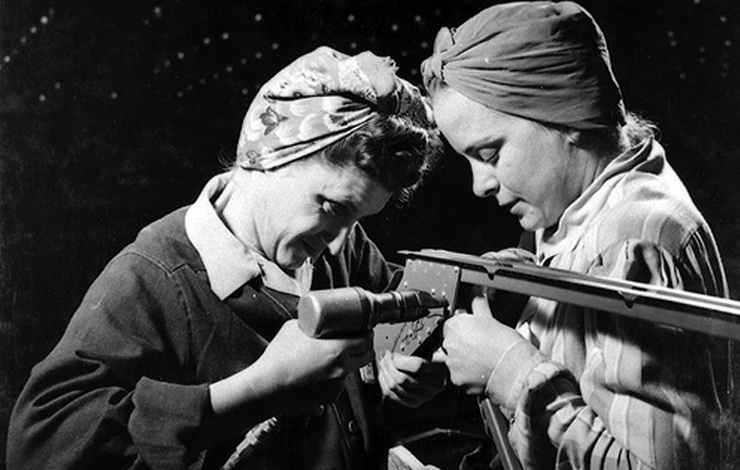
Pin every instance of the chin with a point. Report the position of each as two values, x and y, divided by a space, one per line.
290 266
292 261
532 225
528 225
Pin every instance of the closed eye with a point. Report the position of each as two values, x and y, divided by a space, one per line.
489 155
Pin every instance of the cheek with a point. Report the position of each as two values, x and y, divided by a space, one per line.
528 175
285 231
518 176
305 225
551 202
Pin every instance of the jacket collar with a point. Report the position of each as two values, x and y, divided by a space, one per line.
229 263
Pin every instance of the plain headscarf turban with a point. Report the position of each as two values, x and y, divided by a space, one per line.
542 61
320 98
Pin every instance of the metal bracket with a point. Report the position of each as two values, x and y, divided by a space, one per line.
441 281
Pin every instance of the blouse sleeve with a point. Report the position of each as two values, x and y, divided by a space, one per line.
108 395
646 396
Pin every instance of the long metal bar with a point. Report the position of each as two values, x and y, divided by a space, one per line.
711 315
706 314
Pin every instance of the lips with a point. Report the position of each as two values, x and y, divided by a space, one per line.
508 206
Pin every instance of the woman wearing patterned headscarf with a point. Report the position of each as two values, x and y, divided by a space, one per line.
188 338
525 92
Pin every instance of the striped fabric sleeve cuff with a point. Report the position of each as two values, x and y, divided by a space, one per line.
510 376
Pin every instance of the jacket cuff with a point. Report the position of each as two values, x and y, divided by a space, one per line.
509 377
171 424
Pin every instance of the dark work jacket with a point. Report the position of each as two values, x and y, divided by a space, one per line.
127 385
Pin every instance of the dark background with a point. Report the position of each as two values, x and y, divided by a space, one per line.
114 113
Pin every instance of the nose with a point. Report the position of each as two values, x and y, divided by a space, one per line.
338 240
485 183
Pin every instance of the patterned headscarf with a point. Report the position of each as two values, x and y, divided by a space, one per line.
543 61
317 100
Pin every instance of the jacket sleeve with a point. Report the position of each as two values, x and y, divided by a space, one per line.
113 394
645 397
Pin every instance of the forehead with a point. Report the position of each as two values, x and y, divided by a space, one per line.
465 122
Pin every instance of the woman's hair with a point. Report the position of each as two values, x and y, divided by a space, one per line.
609 142
396 151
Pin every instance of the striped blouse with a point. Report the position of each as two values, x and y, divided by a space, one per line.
610 392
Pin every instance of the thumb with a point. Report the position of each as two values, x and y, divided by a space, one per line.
439 356
460 311
480 307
